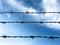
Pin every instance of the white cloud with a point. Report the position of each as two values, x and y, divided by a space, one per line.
20 6
51 6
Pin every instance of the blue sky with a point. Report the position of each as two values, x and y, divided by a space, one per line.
29 29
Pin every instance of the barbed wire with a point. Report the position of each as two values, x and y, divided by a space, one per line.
11 12
22 22
50 37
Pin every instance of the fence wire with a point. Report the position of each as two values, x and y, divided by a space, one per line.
11 12
26 22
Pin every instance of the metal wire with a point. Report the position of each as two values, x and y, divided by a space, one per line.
22 22
50 37
11 12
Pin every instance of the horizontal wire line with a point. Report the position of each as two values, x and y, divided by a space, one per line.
28 12
32 37
50 37
30 22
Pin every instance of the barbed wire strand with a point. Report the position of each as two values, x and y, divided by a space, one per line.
50 37
22 22
11 12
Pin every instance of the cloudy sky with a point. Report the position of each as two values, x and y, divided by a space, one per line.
29 29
